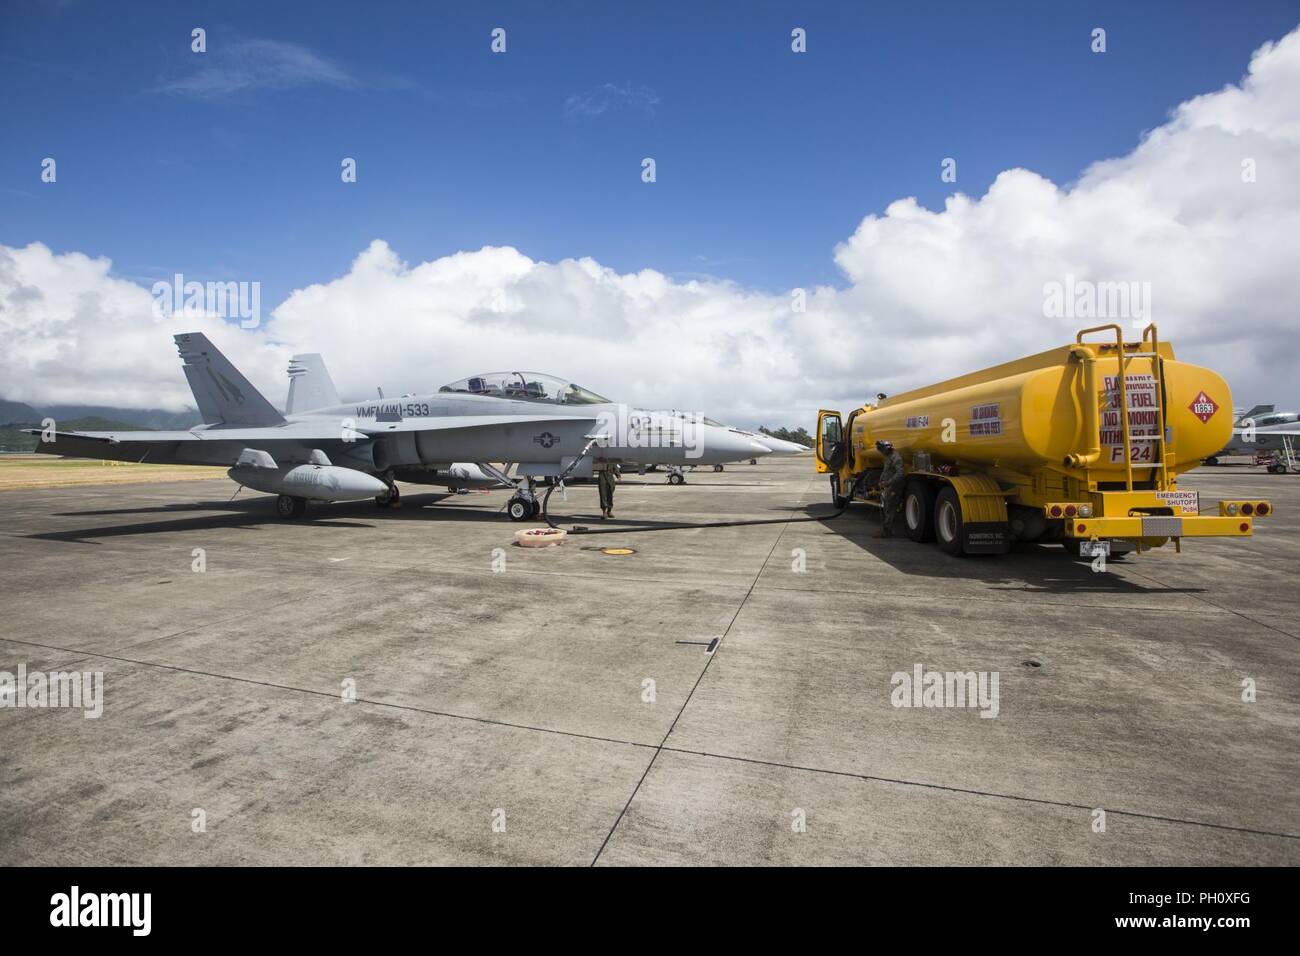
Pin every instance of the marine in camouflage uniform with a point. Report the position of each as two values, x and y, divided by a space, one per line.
605 481
892 480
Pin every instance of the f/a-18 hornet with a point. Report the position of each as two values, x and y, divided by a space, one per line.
335 452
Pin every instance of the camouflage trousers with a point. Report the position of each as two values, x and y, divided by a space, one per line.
890 500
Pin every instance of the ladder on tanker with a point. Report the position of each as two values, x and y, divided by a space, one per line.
1161 453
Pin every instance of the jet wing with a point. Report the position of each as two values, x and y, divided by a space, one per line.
187 447
296 431
321 430
114 438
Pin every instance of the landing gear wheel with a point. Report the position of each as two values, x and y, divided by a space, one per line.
537 508
520 509
718 468
392 498
948 528
676 478
918 511
288 506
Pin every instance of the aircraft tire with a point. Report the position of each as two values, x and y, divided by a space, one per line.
519 509
676 479
289 506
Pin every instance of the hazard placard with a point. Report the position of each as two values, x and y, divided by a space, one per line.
1143 421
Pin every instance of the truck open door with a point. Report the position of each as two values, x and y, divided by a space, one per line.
830 441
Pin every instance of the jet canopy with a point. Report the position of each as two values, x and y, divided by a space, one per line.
528 387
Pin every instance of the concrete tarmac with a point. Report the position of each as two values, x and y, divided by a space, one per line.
719 696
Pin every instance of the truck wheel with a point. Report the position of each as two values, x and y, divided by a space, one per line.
947 522
288 506
837 499
918 511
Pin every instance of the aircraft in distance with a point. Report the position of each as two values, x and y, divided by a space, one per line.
677 475
1261 429
344 452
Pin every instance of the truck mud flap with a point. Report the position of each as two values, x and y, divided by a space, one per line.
987 537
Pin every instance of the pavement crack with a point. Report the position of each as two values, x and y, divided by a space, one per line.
717 645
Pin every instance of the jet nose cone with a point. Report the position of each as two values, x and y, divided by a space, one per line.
781 447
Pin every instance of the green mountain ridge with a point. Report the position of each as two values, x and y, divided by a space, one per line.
13 440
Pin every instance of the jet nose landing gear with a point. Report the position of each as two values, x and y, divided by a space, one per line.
524 506
522 509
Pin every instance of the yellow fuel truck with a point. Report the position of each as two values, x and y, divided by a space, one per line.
1061 446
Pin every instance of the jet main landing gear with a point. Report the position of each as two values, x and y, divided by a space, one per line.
675 475
290 506
392 498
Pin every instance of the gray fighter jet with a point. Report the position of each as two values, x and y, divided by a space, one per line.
344 452
1262 429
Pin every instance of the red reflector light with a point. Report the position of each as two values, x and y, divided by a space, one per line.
1080 528
1262 508
1244 527
1071 510
1056 511
1247 508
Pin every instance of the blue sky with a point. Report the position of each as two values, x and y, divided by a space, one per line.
226 165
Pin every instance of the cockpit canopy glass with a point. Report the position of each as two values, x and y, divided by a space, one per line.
526 386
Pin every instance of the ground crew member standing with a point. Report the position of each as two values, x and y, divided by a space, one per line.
606 480
892 479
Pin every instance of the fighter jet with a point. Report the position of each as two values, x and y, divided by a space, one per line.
547 426
1260 430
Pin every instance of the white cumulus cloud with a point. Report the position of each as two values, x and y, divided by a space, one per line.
927 294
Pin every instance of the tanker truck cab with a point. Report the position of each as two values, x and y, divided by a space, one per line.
1081 445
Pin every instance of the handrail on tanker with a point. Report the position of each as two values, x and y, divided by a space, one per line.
1158 367
1090 422
1091 427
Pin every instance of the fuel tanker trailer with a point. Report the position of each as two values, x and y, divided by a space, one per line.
1081 445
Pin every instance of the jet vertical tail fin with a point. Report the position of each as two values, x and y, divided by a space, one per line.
223 395
310 385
